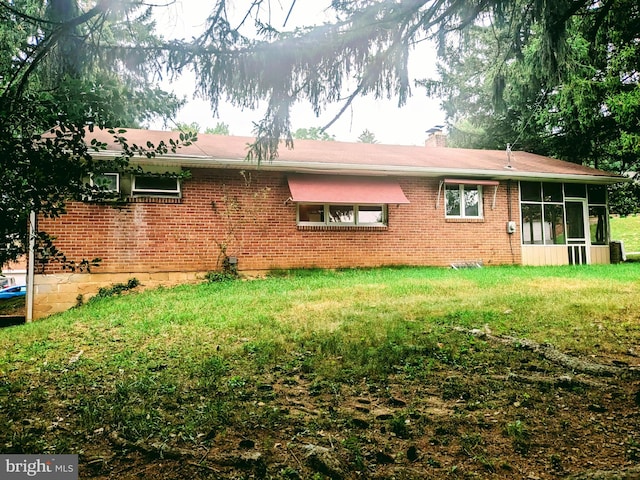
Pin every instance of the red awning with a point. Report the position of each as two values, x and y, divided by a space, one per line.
470 181
345 189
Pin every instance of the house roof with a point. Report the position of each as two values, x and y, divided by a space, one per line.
311 156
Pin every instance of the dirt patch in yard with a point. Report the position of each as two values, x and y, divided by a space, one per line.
405 431
496 407
533 420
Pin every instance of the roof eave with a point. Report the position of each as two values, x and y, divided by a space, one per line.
202 161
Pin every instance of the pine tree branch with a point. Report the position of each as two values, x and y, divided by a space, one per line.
49 42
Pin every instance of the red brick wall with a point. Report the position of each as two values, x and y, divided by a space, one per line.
252 217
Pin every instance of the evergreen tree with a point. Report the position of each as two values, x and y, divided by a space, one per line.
52 76
587 112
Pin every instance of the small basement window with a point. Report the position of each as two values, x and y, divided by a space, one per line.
155 186
108 181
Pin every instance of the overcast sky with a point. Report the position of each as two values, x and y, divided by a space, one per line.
390 124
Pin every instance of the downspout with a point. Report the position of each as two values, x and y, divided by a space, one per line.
31 266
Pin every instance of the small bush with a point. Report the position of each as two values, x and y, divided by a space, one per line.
113 290
214 277
229 271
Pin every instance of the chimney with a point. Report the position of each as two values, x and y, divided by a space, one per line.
436 137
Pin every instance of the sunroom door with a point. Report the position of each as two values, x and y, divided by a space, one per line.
577 232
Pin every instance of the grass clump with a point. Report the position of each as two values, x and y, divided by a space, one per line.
519 435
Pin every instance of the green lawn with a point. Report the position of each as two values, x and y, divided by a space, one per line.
368 364
627 229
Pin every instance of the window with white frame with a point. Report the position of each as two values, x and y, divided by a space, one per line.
463 201
155 186
335 214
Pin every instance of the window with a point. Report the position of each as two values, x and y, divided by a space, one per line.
598 225
547 215
155 186
576 190
597 194
552 192
554 224
371 215
543 212
530 192
531 224
105 187
330 214
311 214
342 214
598 214
463 201
109 181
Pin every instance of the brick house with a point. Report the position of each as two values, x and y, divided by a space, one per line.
327 205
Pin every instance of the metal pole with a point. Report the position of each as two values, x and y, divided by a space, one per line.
31 266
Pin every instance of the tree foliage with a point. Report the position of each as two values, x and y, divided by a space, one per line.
587 111
54 79
363 50
367 137
221 128
313 133
82 62
193 127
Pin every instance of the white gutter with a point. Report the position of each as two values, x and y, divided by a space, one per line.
31 266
